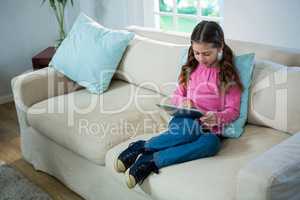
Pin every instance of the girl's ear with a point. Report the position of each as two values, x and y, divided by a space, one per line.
221 48
220 53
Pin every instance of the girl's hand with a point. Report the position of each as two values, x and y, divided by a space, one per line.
187 103
209 120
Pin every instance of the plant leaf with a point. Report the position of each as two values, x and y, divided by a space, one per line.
43 1
52 4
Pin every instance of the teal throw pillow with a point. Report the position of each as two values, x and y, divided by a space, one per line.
91 53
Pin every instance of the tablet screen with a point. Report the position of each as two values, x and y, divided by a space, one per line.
180 111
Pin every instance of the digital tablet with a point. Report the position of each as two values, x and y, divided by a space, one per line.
181 112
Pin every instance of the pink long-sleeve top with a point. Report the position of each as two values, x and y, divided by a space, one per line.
203 90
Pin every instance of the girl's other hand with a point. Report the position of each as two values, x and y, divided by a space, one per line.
187 103
209 120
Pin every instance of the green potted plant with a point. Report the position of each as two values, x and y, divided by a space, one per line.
58 7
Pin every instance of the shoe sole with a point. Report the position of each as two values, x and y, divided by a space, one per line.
119 166
130 180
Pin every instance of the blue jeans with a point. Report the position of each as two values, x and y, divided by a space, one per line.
184 140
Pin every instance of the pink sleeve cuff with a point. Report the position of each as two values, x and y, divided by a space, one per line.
178 96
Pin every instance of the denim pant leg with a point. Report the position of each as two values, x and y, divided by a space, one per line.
205 146
180 130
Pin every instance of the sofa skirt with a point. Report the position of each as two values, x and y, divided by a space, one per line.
89 180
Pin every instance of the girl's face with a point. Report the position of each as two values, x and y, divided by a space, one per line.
205 53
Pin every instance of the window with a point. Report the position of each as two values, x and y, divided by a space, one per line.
183 15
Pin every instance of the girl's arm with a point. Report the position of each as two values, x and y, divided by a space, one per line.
231 110
179 96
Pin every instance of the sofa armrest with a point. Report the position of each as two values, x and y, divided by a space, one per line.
36 86
33 87
273 175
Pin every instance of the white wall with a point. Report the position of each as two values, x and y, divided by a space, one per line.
26 28
115 14
112 13
273 22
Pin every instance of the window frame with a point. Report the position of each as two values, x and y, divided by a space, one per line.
152 14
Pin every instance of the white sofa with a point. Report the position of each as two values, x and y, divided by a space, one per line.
66 131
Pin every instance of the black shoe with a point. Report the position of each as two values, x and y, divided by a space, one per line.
129 155
140 170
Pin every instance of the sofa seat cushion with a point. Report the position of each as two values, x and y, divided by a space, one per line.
211 178
90 124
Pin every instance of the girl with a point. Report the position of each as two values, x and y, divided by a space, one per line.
209 82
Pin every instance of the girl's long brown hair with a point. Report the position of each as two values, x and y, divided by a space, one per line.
211 32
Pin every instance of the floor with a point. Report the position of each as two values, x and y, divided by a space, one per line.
10 153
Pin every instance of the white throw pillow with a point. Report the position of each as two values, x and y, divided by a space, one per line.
274 99
152 64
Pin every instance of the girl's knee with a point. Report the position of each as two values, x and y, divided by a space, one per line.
176 120
213 143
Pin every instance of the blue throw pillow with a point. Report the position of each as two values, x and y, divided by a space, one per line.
90 53
244 64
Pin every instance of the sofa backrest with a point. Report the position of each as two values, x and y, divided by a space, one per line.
285 56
